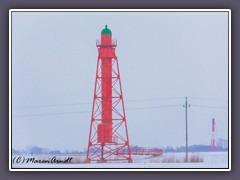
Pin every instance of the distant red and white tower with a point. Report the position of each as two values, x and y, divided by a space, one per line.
108 136
213 135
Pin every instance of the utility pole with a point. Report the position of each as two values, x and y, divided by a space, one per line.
186 106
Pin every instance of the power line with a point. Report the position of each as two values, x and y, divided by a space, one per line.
74 104
47 114
140 108
214 107
79 112
50 105
154 99
210 99
133 100
156 107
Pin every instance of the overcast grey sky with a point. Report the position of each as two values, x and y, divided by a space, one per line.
161 54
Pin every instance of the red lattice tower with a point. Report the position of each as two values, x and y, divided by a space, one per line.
108 135
213 135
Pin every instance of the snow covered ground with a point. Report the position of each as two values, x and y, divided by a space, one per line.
167 160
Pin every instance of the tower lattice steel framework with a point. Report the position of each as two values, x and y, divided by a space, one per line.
108 136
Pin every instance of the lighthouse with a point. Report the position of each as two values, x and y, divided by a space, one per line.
108 135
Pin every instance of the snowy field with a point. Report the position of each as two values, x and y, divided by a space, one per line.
167 160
